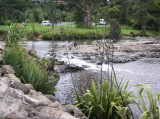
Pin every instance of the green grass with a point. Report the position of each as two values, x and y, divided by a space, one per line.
125 30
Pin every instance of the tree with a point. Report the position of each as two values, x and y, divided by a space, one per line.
87 6
52 11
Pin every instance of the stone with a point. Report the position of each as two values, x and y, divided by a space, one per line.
3 88
51 97
74 111
12 77
37 99
57 113
7 69
20 86
32 52
56 105
29 86
5 80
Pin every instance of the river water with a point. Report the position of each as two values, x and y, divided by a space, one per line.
142 71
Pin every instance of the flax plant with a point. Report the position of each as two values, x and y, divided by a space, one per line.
111 104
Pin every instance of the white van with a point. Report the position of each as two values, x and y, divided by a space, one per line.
102 22
46 23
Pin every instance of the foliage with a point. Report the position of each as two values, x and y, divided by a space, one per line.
64 34
154 110
115 30
33 74
15 33
110 106
28 70
16 58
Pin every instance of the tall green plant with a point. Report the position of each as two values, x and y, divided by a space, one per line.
15 33
33 74
110 106
29 71
15 57
154 110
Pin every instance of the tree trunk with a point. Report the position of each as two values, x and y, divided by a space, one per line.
89 15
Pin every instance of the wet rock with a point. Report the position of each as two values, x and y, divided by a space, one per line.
73 67
85 66
74 111
29 86
60 62
12 77
32 52
20 86
86 58
7 69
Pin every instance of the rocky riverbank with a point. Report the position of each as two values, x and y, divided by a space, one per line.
123 52
21 101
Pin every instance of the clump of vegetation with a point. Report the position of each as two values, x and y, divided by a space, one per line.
108 104
15 33
154 110
28 70
64 34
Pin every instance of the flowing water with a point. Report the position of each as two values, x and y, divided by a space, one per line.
143 71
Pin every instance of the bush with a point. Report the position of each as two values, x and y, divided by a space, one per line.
111 105
16 58
29 71
64 34
15 33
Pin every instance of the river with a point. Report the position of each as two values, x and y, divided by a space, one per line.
142 71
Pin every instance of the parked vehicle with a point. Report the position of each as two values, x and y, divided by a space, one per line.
46 23
102 22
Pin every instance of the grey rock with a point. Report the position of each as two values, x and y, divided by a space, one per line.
12 77
51 97
32 52
29 86
74 111
7 69
20 86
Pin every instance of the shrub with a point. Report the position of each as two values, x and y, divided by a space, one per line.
15 33
33 74
110 106
64 34
16 58
29 71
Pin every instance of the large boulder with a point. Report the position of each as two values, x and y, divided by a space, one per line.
7 69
